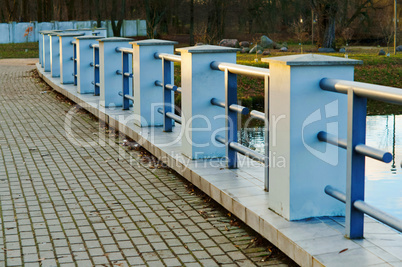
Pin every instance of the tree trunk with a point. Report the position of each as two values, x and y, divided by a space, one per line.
24 10
39 10
329 35
117 27
191 22
70 9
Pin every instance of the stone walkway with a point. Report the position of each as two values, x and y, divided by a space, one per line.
84 199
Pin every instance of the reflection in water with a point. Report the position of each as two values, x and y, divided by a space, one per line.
383 181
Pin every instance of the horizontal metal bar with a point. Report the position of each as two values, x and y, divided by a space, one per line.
124 50
374 153
128 74
377 214
257 115
332 139
93 45
171 115
335 193
119 72
233 107
158 83
126 96
168 57
167 86
97 84
361 149
96 65
242 149
178 89
378 92
240 69
91 64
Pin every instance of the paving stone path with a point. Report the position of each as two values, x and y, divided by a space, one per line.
95 202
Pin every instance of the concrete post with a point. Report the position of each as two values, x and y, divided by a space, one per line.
40 40
145 90
85 71
201 120
100 32
110 62
66 57
54 54
300 166
46 50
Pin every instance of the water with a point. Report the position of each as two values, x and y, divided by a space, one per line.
383 181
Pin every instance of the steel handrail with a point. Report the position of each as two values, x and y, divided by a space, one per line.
387 94
240 69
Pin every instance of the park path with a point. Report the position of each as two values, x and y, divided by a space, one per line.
99 203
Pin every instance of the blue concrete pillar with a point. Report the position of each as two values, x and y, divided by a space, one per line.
110 62
300 166
100 32
46 50
40 40
201 120
66 57
54 54
85 71
147 69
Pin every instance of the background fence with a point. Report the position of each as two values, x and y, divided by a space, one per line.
22 32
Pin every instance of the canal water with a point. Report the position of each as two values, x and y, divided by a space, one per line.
383 181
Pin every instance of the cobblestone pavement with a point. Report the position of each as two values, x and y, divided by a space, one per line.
62 204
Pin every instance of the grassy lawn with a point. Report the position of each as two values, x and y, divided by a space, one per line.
23 50
376 69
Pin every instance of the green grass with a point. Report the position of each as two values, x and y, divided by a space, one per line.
375 69
23 50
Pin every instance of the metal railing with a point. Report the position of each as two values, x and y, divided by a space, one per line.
232 109
357 150
75 52
126 75
95 65
168 110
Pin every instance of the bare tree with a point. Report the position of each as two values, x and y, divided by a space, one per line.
155 10
115 15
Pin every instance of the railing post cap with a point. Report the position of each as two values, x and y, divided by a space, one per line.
70 34
311 60
86 37
153 42
204 49
114 39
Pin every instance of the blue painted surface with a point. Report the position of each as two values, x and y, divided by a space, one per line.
383 182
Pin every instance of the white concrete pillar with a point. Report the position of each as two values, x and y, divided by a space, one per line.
85 72
147 69
110 61
66 57
54 54
100 32
300 166
46 50
202 120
